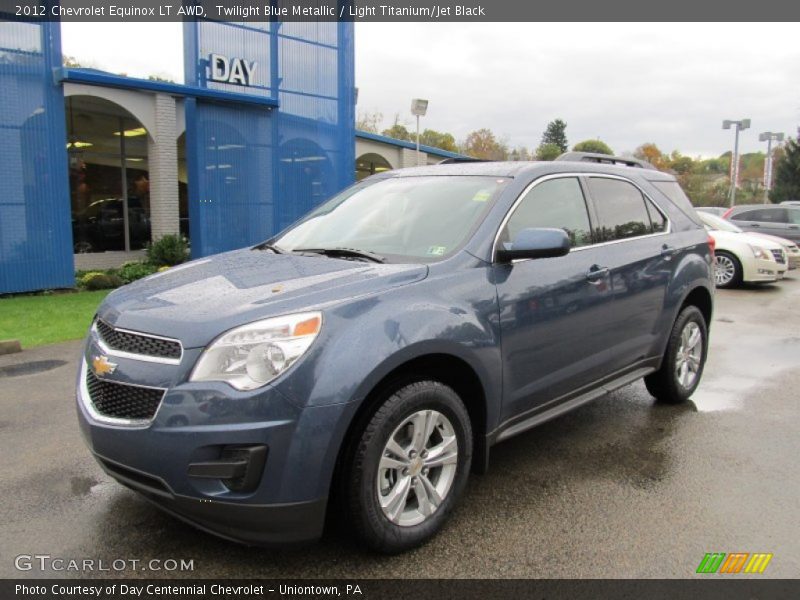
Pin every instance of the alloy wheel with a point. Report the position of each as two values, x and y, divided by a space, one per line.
689 356
417 468
724 270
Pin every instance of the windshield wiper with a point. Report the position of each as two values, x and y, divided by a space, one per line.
344 253
266 246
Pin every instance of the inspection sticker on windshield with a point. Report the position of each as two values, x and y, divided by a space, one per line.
482 196
436 250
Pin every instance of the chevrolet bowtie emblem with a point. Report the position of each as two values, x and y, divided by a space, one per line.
101 366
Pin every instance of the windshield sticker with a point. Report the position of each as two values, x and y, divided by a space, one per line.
436 250
482 196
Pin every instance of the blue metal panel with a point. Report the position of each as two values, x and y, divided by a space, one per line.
35 232
253 171
101 78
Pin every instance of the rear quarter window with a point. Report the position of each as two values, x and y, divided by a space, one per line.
675 194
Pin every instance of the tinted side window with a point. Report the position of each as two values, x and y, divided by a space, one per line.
766 215
620 209
657 218
555 203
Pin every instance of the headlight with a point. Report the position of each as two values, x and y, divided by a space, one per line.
761 253
252 355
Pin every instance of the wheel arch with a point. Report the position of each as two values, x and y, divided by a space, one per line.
448 368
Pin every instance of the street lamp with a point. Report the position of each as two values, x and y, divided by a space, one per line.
418 108
738 126
768 137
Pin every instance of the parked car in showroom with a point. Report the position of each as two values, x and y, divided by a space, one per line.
774 219
743 257
366 359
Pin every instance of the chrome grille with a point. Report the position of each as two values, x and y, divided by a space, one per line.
117 400
780 257
137 343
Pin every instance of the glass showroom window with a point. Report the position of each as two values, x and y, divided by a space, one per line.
108 177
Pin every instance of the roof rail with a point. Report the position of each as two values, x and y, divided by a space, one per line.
606 159
459 159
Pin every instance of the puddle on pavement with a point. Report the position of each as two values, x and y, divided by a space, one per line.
30 368
89 486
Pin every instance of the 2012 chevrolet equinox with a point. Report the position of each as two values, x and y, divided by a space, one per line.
375 351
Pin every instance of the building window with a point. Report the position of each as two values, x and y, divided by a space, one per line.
108 176
369 164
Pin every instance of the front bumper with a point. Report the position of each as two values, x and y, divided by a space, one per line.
762 271
251 524
196 423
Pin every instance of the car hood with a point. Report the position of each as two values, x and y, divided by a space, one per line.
731 238
199 300
773 238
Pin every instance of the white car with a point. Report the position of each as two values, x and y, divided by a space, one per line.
742 257
792 251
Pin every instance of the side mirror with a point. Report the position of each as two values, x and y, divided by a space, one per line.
535 243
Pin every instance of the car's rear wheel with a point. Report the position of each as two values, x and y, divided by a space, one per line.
409 466
684 359
727 270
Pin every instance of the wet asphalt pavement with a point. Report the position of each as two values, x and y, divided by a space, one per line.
618 488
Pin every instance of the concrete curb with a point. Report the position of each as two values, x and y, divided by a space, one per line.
10 346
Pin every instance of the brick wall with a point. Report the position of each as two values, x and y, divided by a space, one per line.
163 160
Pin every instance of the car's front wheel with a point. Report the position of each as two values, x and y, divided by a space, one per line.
727 270
409 466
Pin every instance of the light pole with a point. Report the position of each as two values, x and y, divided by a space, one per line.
768 137
418 108
738 126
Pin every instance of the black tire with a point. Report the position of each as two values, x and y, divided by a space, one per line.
664 384
372 526
736 278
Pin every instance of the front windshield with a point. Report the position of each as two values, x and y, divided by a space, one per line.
418 218
716 223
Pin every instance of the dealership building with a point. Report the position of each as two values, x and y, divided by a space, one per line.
95 165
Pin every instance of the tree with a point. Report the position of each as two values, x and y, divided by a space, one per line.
787 173
548 151
484 145
369 121
437 139
555 133
398 131
70 62
651 154
520 153
596 146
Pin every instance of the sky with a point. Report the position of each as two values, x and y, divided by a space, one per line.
627 83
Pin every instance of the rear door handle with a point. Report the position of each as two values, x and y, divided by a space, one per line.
793 227
596 273
668 251
754 225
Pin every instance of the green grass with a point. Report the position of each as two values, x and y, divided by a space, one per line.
40 320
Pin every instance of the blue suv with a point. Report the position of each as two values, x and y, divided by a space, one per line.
364 361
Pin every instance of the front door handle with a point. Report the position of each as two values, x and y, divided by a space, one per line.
754 225
595 273
793 227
